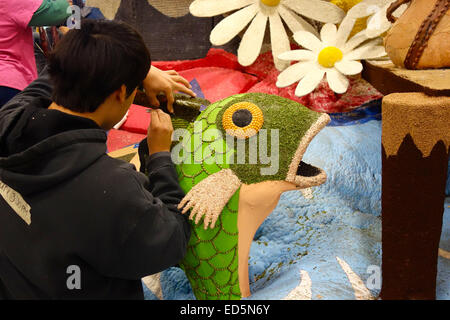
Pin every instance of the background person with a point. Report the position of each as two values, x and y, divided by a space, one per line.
17 60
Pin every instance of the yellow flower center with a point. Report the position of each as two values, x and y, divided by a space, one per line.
271 3
329 56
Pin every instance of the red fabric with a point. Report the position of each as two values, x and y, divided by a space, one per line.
220 83
219 75
118 139
138 120
215 58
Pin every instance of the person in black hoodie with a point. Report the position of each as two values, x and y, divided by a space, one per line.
74 222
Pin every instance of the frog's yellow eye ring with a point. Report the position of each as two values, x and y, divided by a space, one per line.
243 120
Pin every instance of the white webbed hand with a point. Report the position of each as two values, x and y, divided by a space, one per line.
208 198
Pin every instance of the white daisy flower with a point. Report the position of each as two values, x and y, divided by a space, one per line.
258 12
378 23
333 55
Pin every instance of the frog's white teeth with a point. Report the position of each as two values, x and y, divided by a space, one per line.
301 174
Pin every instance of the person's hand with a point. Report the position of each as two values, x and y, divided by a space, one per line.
160 131
64 30
158 81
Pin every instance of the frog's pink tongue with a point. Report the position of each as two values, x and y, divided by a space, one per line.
256 203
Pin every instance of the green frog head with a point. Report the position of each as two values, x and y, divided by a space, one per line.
259 137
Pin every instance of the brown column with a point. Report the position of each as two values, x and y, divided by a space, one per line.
415 139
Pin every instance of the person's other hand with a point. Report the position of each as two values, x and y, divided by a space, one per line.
160 131
158 81
64 30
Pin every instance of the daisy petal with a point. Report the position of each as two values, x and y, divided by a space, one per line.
345 28
211 8
309 82
229 27
367 51
293 74
355 41
378 24
308 40
294 22
348 68
328 34
297 55
337 82
252 40
317 10
365 8
279 39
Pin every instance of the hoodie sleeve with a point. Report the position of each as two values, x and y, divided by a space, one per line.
160 237
41 87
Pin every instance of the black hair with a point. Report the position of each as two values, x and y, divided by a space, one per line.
90 63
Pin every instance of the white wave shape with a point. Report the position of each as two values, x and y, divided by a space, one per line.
153 283
361 291
444 254
303 290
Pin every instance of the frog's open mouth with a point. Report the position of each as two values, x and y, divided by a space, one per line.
302 174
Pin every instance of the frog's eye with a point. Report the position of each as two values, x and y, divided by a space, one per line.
243 120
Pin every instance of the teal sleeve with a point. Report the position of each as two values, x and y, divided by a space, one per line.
50 13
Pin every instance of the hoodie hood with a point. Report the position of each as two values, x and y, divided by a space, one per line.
40 148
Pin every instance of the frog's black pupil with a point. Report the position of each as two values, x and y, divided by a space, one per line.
242 118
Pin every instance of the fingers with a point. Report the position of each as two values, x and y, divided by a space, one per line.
183 89
194 212
155 122
183 202
181 84
207 219
175 76
199 210
167 121
153 99
163 120
158 81
170 99
180 79
160 130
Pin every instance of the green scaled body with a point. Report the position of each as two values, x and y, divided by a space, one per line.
211 261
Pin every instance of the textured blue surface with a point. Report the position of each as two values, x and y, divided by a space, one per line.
342 220
443 277
447 190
